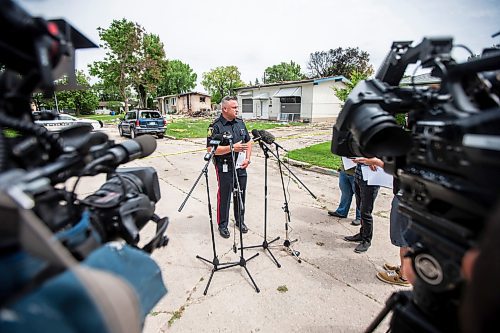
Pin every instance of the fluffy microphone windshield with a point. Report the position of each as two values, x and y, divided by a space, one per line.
266 136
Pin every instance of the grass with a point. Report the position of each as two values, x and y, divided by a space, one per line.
318 154
282 289
176 315
105 118
197 128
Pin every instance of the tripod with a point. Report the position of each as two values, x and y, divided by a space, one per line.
265 244
287 244
215 261
240 208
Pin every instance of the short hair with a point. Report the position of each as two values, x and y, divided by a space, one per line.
228 99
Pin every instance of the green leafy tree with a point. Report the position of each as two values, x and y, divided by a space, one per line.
83 101
355 77
283 72
122 42
176 78
339 61
148 68
222 81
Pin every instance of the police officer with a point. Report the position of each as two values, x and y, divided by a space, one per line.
228 124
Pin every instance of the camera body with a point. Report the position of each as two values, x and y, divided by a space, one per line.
68 257
447 163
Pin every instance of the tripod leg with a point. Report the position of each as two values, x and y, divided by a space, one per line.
276 261
250 276
209 280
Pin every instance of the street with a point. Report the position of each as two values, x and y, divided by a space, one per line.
333 289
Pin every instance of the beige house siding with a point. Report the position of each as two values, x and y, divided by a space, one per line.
184 103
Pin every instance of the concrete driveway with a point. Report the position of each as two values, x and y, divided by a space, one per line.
333 289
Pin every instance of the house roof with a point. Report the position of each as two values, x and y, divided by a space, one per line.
339 78
194 93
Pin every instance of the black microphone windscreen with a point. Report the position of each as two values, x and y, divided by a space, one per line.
266 136
255 133
218 137
147 143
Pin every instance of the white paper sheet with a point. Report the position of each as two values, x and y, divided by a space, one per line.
241 157
348 163
378 177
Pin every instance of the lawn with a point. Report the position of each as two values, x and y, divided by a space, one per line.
105 118
318 154
197 128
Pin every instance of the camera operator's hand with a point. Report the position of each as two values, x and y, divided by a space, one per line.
373 162
240 147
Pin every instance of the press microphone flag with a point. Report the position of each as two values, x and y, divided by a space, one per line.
215 142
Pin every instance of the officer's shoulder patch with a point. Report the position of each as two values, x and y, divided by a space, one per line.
210 131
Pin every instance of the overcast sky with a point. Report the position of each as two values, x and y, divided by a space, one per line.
254 35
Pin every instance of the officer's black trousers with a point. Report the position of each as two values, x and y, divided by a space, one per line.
226 186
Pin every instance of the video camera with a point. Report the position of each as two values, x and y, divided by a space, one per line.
64 254
447 163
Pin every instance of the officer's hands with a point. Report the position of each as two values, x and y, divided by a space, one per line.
245 164
240 147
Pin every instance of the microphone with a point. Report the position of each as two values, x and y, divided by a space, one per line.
216 139
130 150
266 136
269 138
227 136
256 135
215 142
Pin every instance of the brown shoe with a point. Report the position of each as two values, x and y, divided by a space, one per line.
389 267
393 278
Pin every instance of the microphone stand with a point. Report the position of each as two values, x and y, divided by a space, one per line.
265 243
215 261
237 198
287 243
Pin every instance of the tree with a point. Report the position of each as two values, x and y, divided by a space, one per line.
176 78
283 72
83 101
222 81
148 67
339 62
355 77
122 42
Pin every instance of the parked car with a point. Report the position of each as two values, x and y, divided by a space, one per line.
137 122
54 122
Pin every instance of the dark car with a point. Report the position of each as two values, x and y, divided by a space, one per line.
138 122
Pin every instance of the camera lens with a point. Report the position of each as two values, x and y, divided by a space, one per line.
377 132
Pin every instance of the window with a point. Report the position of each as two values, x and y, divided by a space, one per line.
291 99
173 100
202 99
247 105
130 115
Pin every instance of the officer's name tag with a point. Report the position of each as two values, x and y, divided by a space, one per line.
224 168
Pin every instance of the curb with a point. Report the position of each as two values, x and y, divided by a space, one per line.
311 167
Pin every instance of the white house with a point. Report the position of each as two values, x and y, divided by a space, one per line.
311 100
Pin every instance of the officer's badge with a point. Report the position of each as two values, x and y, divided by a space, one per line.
210 132
242 131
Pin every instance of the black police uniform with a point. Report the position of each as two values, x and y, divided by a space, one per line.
224 168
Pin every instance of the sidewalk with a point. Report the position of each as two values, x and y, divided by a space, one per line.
333 289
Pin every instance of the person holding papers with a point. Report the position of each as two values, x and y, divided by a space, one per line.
346 185
365 198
